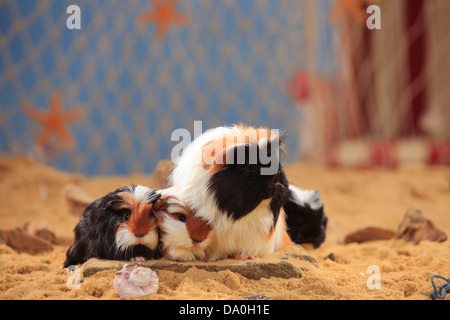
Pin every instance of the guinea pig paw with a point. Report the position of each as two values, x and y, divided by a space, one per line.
138 259
180 255
200 256
244 257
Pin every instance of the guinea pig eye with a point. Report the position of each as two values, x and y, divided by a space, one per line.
182 218
125 213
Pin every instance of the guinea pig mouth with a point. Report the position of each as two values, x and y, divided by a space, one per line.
141 250
125 239
141 245
139 241
144 241
196 243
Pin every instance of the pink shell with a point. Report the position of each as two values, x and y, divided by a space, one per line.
135 281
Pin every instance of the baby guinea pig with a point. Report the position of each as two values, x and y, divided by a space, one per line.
118 226
184 236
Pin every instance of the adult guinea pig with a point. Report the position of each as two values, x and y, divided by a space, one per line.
232 177
184 236
118 226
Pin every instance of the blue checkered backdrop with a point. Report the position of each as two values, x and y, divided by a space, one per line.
104 99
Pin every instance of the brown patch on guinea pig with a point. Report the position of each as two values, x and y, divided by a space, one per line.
184 236
142 220
214 152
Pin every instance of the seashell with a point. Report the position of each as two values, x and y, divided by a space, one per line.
135 281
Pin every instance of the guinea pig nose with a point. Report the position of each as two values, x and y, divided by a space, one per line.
139 235
196 241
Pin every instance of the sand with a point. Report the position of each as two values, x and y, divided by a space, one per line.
30 191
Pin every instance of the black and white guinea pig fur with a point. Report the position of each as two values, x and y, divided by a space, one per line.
118 226
184 236
305 217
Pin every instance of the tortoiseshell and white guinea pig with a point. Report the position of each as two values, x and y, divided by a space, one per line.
232 177
118 226
183 235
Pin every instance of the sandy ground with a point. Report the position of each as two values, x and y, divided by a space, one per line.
353 199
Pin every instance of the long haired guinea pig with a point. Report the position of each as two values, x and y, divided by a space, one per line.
232 177
184 236
118 226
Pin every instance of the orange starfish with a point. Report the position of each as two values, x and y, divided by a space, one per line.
55 121
356 9
163 15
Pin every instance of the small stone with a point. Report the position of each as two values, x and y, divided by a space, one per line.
305 257
369 234
77 200
232 281
20 240
330 256
39 230
415 227
251 269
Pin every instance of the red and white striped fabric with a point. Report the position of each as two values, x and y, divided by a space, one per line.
389 154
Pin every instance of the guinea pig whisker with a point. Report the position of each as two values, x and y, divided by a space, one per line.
276 176
117 249
279 184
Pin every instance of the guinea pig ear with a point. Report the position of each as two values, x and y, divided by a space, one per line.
269 154
160 204
213 154
108 202
153 197
275 139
